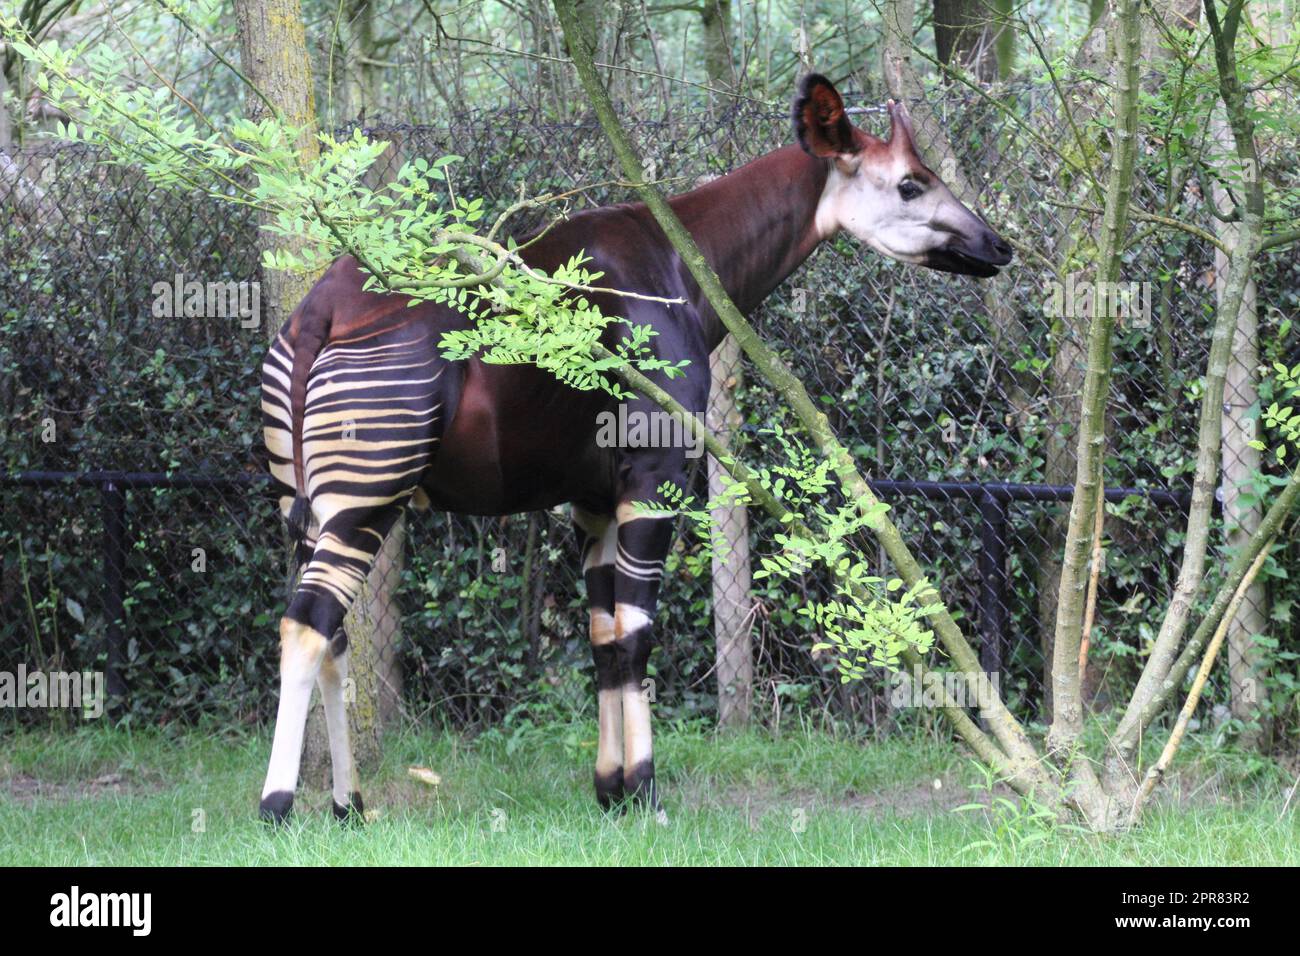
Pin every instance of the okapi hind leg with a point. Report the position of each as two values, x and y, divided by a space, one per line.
332 682
302 649
345 551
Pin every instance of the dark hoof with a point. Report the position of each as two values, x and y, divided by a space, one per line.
609 790
275 807
639 786
354 814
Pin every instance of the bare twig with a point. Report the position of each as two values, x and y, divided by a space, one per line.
1091 609
1155 774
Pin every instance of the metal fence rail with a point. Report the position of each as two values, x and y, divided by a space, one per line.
992 500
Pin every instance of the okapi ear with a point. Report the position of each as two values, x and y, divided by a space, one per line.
900 126
820 123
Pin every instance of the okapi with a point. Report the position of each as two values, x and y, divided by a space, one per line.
363 415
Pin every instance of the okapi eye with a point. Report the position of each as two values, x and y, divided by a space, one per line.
909 190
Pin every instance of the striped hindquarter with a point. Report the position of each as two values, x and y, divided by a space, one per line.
352 427
368 428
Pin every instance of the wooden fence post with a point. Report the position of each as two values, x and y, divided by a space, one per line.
1240 465
732 604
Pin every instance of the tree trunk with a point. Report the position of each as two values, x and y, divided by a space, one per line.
1241 466
732 603
360 73
547 76
6 130
1005 39
592 21
964 36
715 16
273 53
1064 386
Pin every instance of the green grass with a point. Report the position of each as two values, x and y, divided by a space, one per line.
105 796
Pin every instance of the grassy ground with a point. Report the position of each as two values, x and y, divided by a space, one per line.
112 797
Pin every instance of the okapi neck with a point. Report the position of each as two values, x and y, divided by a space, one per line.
755 226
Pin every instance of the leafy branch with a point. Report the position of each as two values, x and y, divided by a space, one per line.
413 236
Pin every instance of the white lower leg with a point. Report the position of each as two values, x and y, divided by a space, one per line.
636 698
609 750
301 652
609 701
637 746
332 681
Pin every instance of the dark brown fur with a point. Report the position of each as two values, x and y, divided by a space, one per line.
517 439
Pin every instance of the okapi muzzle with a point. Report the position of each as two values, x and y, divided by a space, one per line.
881 191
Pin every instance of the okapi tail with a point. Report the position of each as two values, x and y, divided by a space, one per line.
308 330
299 519
299 522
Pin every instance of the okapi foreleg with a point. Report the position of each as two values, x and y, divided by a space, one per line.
599 547
643 542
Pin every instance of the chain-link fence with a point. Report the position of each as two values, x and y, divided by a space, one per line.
140 536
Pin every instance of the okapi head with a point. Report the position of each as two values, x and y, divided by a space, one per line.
881 192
